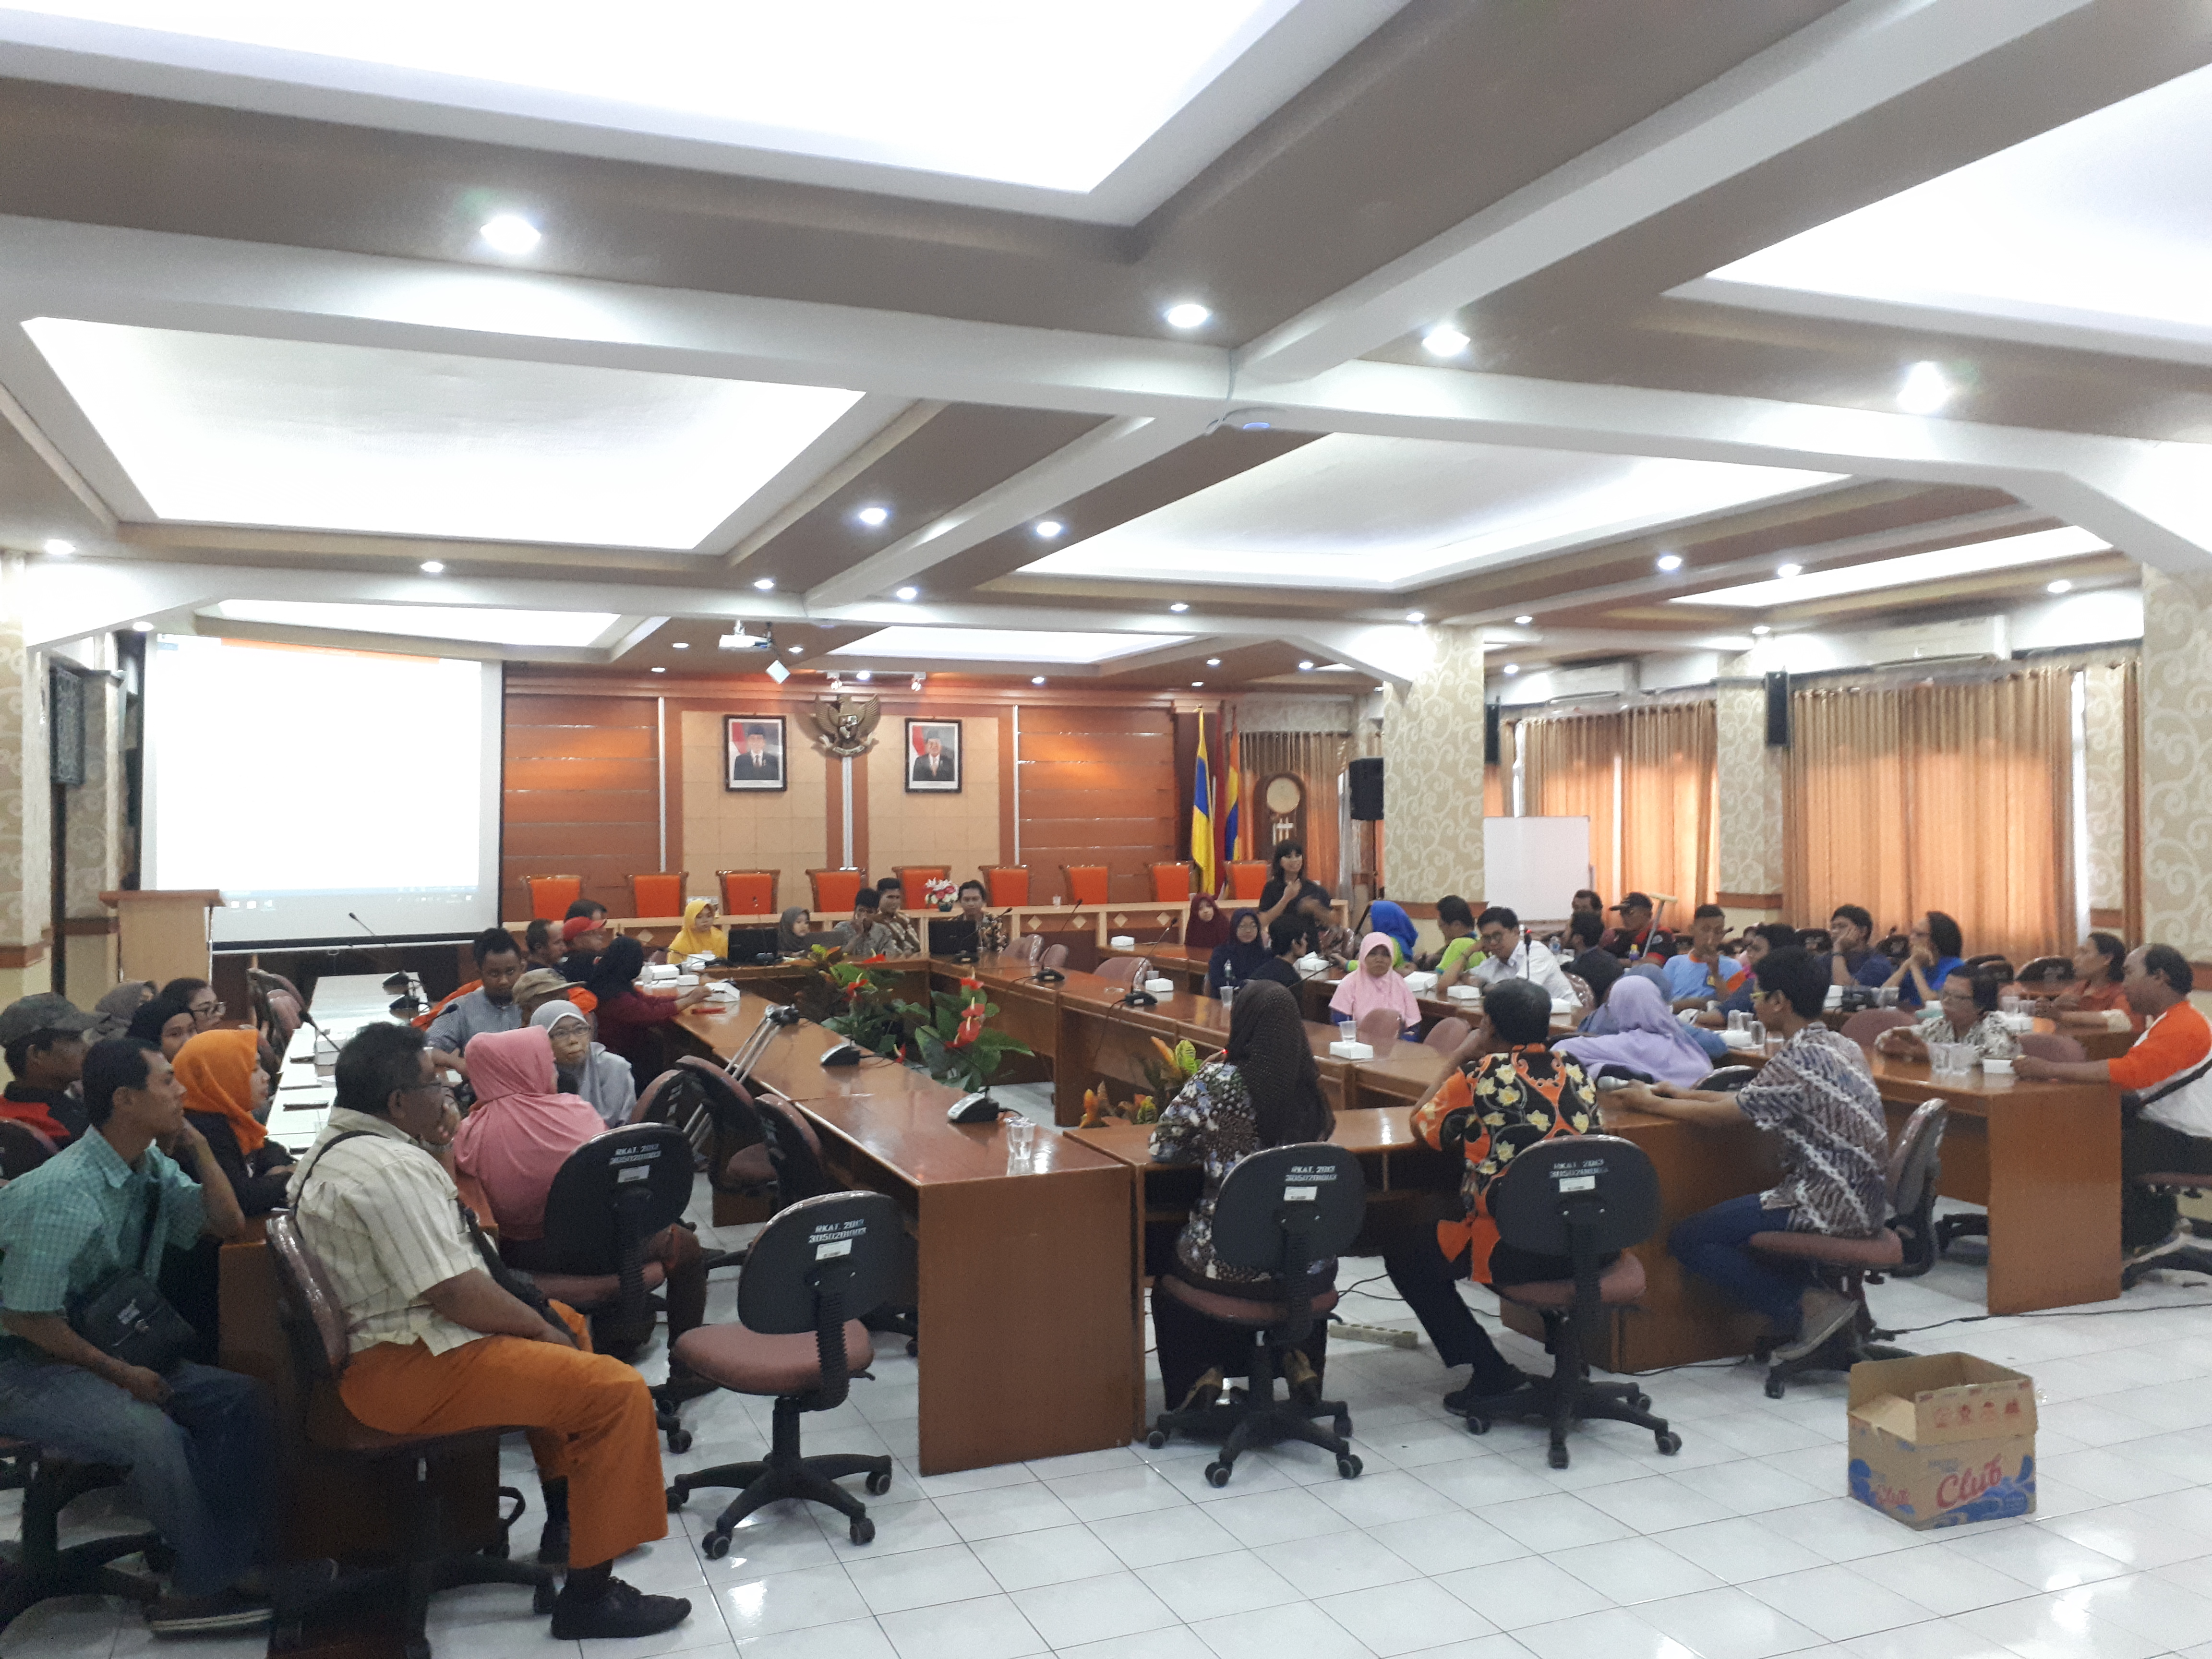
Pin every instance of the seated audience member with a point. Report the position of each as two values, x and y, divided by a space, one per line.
110 1015
1937 947
1287 942
514 1141
1454 963
1510 954
625 1013
490 1007
1966 1012
200 1444
993 934
199 996
699 936
1236 958
584 1066
1374 985
795 932
42 1039
1704 973
1600 970
542 945
225 1091
2096 998
1818 941
1391 920
539 986
1758 943
1585 931
2166 1114
1636 937
1850 932
588 910
1642 1034
1288 882
166 1025
440 1347
1816 1095
1205 925
896 933
867 911
1265 1090
582 939
1587 903
1501 1093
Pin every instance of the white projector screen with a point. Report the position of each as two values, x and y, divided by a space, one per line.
307 783
1533 866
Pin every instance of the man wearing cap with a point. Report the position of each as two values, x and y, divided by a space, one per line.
42 1039
1635 939
586 937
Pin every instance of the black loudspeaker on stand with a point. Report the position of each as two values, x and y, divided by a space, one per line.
1366 778
1777 709
1493 732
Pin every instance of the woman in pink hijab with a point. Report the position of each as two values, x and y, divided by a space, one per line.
1373 985
522 1128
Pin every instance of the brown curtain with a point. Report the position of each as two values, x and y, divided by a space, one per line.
1317 759
1937 797
1569 772
1670 805
2131 814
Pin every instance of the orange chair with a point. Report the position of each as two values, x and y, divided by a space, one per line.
914 878
550 896
1006 885
1086 882
660 894
752 892
1247 880
835 890
1173 884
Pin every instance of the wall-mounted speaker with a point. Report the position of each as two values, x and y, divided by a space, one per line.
1366 781
1777 709
1492 734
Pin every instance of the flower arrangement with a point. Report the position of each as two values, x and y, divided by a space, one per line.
852 998
1097 1109
1166 1069
951 1039
940 892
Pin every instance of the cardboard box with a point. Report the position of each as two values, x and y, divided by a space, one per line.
1942 1440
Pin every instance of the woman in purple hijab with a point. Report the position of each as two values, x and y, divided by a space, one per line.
1645 1035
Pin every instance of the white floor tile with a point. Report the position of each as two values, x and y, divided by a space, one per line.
1518 1594
1218 1585
856 1638
921 1578
1838 1603
1098 1609
1262 1518
1655 1503
1560 1520
1131 1489
1738 1549
989 1628
1176 1642
1146 1541
1448 1543
1616 1633
790 1601
2059 1626
1057 1555
1300 1628
1336 1563
1405 1618
1632 1570
1727 1624
1029 1507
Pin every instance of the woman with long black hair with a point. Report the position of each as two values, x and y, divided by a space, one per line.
1287 883
1264 1092
626 1013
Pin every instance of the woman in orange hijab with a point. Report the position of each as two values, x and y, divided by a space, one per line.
224 1086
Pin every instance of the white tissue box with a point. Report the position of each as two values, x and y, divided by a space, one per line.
1565 1006
1122 942
1465 993
1736 1039
1160 987
1835 998
1420 984
1351 1051
2018 1022
1310 963
659 973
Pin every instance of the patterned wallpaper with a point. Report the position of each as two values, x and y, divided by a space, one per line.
26 846
2177 763
1751 779
2105 756
1432 773
1263 712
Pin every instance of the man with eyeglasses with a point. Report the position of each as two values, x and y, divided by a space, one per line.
439 1346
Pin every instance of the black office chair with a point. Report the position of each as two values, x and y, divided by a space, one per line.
1279 1212
41 1567
815 1272
608 1198
1582 1197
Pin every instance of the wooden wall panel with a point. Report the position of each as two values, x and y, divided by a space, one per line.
1097 786
580 794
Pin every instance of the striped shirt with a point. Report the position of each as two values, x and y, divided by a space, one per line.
384 1217
1817 1094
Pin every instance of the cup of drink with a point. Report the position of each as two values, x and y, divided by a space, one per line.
1021 1145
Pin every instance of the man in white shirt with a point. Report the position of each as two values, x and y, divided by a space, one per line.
1508 955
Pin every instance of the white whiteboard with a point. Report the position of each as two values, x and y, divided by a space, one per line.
1534 865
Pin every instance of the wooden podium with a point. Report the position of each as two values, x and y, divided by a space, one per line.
163 935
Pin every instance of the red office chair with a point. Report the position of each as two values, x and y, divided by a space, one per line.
1086 882
1123 970
753 892
834 889
1380 1029
1248 880
1005 886
658 894
1173 884
1864 1027
1053 956
550 896
1447 1034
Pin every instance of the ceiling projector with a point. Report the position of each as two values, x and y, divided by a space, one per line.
741 641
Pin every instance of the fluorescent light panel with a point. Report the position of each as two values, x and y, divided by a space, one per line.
220 429
2037 547
1381 513
469 623
1001 645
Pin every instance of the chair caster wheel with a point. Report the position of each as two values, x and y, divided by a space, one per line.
862 1531
1217 1474
1478 1425
715 1545
1348 1466
676 1497
1641 1400
541 1595
679 1440
1774 1388
880 1484
1156 1439
1558 1457
1668 1442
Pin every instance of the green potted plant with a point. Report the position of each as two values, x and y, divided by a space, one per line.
952 1040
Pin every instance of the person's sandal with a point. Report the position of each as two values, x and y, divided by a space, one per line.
1305 1381
1205 1394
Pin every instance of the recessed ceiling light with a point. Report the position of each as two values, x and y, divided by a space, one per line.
1522 622
909 594
660 669
1178 607
765 584
1512 668
681 645
1196 684
1944 564
798 651
1037 679
1189 314
1047 529
1926 389
1786 571
433 567
1762 630
509 232
2062 586
59 549
1669 562
1305 668
141 628
1416 616
865 675
1213 662
1444 341
874 516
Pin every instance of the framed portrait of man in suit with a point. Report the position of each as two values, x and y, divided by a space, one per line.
752 751
933 758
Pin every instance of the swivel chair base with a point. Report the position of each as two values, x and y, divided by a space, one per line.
1856 1341
1566 1397
1258 1418
42 1568
786 1474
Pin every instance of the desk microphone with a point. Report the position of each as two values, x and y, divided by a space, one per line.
1048 976
1136 997
405 1003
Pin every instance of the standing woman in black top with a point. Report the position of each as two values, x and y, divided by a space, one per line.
1286 882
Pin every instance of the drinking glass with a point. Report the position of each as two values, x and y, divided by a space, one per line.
1757 1030
1738 1021
1228 996
1021 1145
